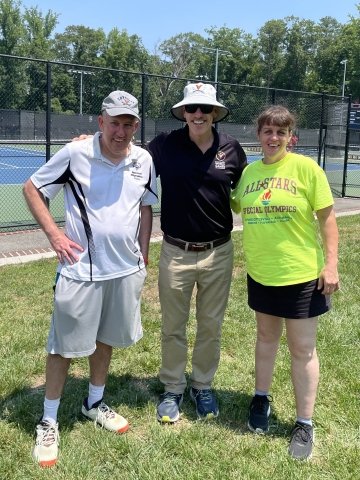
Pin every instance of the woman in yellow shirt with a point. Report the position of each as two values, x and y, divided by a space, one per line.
288 277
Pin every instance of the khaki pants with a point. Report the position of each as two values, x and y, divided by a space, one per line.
179 273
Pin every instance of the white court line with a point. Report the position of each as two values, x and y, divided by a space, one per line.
9 166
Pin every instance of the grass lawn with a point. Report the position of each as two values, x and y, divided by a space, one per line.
222 449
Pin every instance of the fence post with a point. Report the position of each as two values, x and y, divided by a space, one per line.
347 137
48 118
273 96
143 108
217 88
321 127
48 111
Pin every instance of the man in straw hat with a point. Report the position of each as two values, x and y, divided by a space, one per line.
198 167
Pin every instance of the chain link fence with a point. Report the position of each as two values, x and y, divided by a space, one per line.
43 105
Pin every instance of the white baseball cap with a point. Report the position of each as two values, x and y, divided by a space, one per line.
121 103
200 93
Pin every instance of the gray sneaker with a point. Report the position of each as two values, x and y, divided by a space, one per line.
301 442
168 409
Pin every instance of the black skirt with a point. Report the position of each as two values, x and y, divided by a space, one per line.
302 300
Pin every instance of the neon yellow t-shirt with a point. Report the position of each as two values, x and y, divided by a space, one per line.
277 201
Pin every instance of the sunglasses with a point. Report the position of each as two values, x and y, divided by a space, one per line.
194 106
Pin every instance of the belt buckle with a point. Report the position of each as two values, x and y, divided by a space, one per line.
198 247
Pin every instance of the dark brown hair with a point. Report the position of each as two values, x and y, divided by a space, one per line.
276 115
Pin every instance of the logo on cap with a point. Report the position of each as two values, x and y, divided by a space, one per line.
126 101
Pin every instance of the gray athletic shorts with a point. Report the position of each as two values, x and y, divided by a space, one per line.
107 311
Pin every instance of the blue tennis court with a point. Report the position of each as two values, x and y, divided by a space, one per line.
17 164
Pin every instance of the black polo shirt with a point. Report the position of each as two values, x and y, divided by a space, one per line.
195 186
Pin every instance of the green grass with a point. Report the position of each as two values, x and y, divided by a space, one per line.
223 449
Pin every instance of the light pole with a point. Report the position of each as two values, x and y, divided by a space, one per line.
344 62
218 52
81 73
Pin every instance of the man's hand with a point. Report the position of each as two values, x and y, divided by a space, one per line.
83 136
64 247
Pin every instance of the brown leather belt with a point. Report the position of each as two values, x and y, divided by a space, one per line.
196 246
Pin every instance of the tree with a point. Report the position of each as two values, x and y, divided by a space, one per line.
12 72
122 52
125 52
81 45
78 47
350 50
237 54
11 28
39 33
299 48
179 54
272 47
39 43
179 58
323 71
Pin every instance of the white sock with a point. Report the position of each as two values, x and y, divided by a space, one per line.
262 393
307 421
96 393
51 409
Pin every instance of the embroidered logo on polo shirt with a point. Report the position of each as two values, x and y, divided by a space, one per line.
220 160
136 170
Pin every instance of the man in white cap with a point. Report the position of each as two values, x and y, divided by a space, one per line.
198 167
109 186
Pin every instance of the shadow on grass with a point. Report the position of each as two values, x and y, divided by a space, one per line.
234 407
24 407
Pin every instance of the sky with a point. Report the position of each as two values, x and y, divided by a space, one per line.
158 20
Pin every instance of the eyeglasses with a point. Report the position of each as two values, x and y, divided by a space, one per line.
194 106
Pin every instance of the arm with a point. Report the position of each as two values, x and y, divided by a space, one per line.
62 245
82 136
235 199
329 277
145 231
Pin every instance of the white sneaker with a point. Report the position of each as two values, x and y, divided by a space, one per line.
106 417
45 451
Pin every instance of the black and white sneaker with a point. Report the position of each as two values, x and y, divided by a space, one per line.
259 412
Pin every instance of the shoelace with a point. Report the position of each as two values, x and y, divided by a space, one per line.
104 412
302 434
46 435
204 395
170 397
